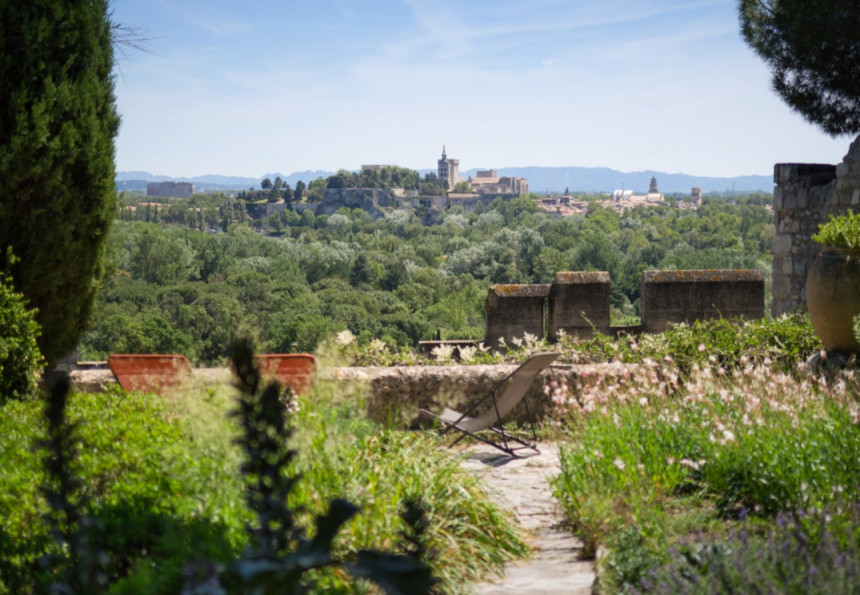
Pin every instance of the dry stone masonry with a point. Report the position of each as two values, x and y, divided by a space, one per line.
806 195
670 297
577 303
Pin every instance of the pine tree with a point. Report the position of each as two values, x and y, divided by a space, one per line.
57 126
813 48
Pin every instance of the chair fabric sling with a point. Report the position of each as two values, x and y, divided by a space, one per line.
502 399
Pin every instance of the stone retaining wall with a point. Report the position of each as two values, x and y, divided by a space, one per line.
395 394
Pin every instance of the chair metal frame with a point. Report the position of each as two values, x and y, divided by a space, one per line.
515 385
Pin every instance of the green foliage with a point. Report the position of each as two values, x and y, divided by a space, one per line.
282 556
780 342
841 232
165 510
57 125
179 288
814 552
20 359
813 49
168 495
668 455
74 562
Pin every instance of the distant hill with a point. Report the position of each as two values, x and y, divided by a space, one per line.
541 179
604 179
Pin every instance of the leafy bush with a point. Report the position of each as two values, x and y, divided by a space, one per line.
20 358
168 505
842 231
161 498
781 342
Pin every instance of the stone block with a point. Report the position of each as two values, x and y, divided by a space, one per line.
686 296
782 244
578 303
802 198
513 310
807 173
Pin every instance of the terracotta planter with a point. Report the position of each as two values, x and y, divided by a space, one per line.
833 297
294 370
151 373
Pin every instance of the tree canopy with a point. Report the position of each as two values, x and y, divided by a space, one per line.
57 127
813 49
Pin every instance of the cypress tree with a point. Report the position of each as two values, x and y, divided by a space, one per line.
58 121
813 49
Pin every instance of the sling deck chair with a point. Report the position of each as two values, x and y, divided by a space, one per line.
500 400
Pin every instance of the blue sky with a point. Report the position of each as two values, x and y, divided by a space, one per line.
263 86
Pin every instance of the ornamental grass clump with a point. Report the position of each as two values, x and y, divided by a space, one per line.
652 459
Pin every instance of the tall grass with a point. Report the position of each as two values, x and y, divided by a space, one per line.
162 478
653 456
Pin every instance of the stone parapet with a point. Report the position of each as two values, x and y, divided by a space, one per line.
512 311
671 297
395 394
579 304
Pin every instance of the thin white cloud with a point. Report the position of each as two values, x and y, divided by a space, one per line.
219 29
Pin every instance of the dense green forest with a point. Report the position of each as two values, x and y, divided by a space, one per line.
189 275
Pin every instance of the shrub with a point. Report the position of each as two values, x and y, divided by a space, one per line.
20 359
167 506
781 342
840 232
161 498
799 553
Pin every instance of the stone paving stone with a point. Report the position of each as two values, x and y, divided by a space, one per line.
522 485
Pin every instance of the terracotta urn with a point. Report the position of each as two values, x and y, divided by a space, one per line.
833 297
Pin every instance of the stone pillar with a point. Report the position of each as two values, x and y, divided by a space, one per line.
686 296
579 304
511 311
800 204
847 194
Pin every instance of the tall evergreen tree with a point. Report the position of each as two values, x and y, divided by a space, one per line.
813 48
58 121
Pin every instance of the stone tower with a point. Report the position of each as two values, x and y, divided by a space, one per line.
448 170
653 189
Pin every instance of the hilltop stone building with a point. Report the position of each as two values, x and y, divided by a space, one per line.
448 170
170 189
631 199
486 183
490 183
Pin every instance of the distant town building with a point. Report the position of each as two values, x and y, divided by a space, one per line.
170 189
448 170
627 199
696 196
489 183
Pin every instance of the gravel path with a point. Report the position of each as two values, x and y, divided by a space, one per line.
522 484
